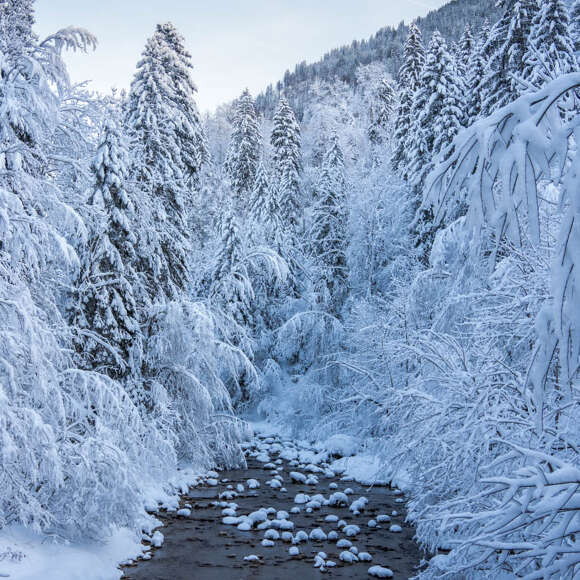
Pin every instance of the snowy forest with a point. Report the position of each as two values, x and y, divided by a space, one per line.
382 249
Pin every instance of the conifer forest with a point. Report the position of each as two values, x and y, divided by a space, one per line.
331 328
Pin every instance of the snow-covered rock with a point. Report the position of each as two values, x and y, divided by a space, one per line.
380 572
348 557
157 539
351 530
317 535
338 499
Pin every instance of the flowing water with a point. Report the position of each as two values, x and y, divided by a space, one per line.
201 547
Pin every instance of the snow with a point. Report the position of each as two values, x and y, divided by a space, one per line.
75 561
380 572
341 445
317 535
348 557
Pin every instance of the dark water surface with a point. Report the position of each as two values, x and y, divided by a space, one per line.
200 547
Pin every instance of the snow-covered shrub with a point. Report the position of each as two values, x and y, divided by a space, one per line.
191 363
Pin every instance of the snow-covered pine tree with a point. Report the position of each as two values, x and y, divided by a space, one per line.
260 206
575 25
105 309
409 77
189 133
438 109
475 73
168 149
230 286
439 113
329 225
382 112
550 51
287 163
465 49
244 151
507 46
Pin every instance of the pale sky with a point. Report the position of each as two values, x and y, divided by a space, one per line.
234 44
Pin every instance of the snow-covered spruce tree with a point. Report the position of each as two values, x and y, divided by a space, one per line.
263 206
244 151
189 134
381 115
168 150
438 112
550 51
105 310
507 46
438 109
329 226
69 436
287 164
409 79
231 288
474 75
465 48
231 294
575 25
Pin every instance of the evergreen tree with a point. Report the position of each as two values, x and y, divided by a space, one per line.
287 162
409 77
244 151
231 290
189 134
507 46
329 224
382 113
476 70
465 49
575 25
260 200
550 51
438 109
106 308
169 149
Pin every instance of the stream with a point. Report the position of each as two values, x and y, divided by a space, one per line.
295 483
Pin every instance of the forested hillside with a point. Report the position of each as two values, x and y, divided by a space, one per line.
384 48
392 256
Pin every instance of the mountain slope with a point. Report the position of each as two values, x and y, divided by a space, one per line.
385 46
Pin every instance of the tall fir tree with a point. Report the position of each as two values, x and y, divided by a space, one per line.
260 200
575 26
409 78
329 225
231 290
507 46
465 49
382 112
169 149
287 162
438 109
189 133
105 314
244 151
475 73
550 51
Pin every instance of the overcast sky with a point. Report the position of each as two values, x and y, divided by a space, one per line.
234 43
